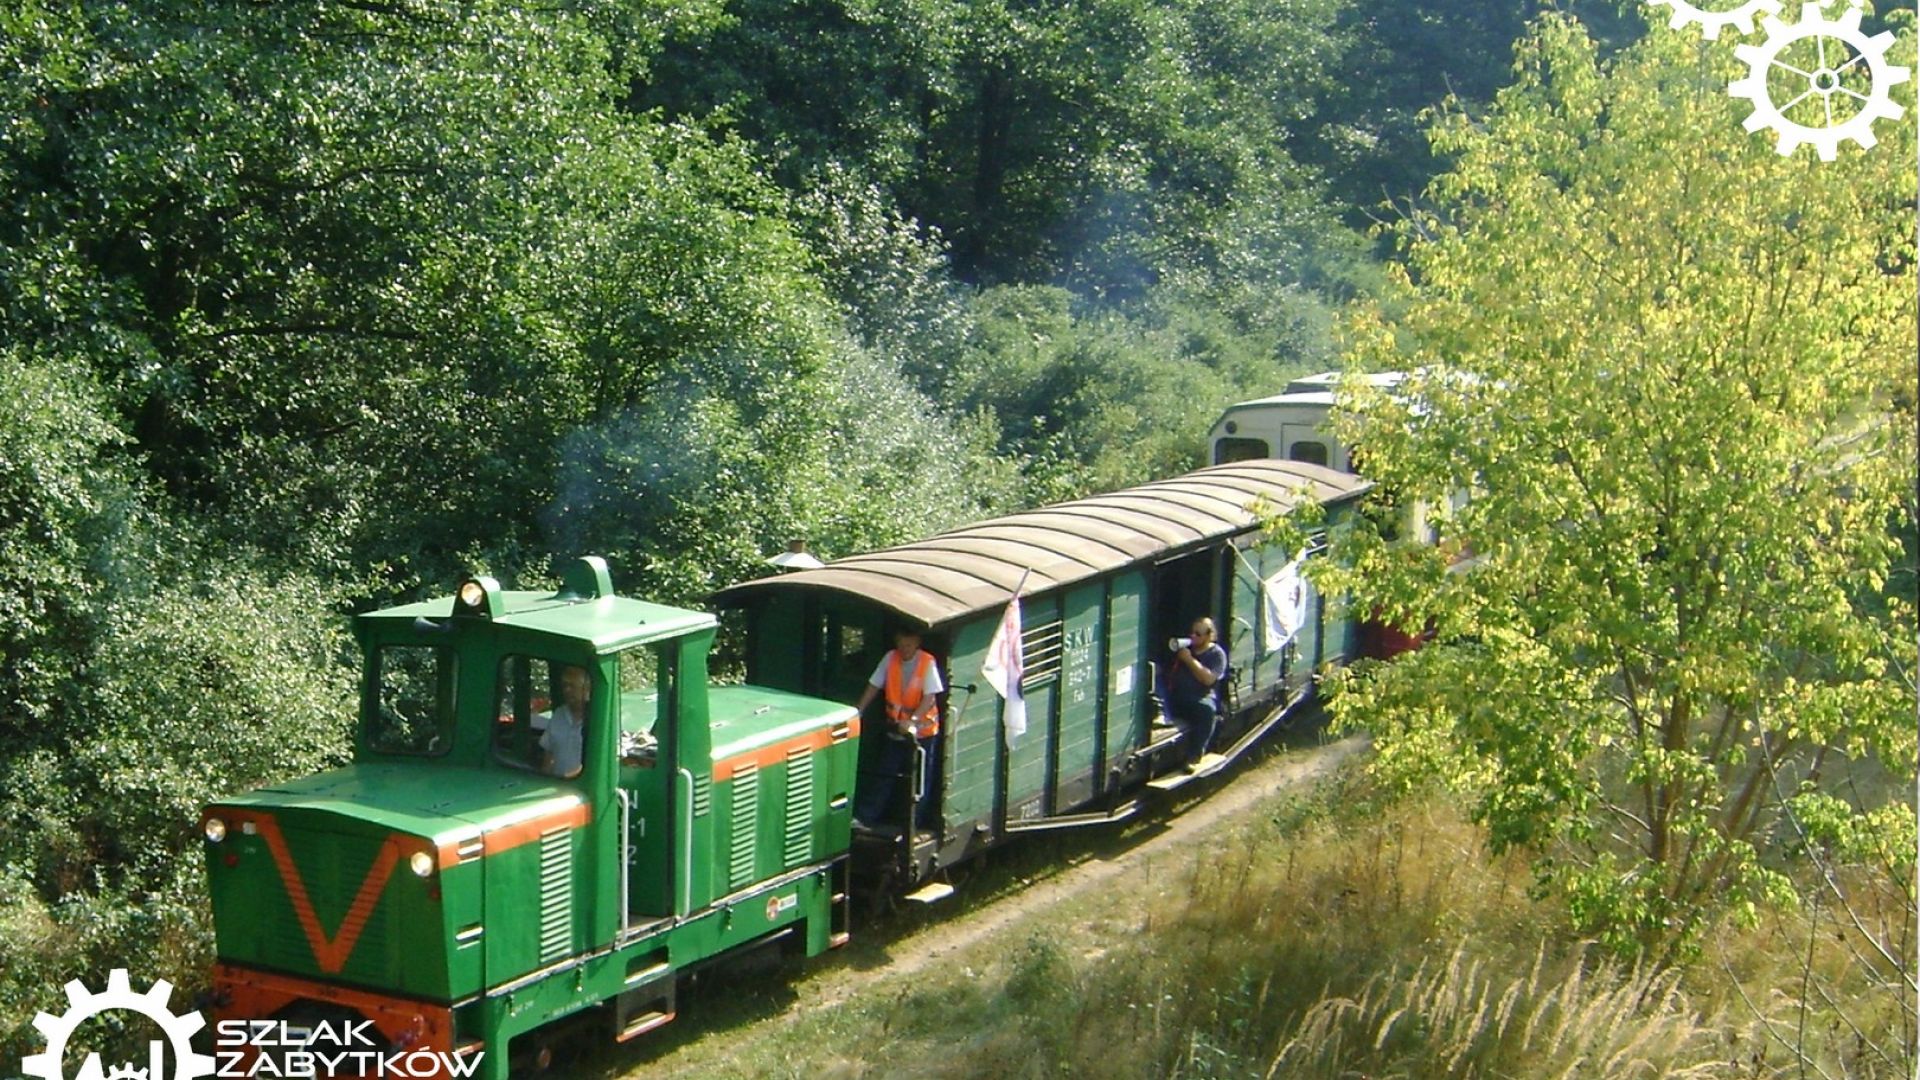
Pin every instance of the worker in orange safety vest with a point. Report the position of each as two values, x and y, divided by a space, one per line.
910 679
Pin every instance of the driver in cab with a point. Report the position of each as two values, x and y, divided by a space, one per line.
563 732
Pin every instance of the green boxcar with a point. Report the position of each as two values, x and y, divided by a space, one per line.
1104 583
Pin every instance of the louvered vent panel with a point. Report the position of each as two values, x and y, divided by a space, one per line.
746 809
332 866
799 819
556 893
702 795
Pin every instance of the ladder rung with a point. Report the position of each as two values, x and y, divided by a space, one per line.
644 1023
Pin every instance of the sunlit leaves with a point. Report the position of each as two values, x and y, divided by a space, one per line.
1674 372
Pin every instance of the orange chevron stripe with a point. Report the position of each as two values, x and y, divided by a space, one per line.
330 951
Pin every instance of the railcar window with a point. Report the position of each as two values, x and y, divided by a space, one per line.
1227 451
1313 453
1041 647
848 660
639 670
413 707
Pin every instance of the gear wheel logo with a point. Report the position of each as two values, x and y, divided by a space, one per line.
1712 22
83 1005
1815 81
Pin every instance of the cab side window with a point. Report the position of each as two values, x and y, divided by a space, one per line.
646 690
412 707
1313 453
541 715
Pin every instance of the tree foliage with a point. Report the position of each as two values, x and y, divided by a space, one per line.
1369 137
1674 371
1102 145
318 256
301 305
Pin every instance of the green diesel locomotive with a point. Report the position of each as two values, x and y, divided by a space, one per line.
553 815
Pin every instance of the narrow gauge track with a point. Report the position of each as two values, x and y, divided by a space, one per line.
1020 885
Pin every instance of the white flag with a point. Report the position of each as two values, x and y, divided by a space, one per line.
1004 668
1283 605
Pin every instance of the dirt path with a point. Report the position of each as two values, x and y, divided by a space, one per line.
1239 792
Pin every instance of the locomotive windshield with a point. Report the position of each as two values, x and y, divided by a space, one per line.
413 711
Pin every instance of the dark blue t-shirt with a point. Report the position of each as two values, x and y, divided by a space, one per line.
1184 688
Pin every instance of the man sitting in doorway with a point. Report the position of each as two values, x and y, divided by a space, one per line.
911 681
1198 667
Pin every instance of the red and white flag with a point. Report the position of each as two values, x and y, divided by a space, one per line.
1004 668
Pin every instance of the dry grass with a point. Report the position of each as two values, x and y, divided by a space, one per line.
1332 938
1462 1018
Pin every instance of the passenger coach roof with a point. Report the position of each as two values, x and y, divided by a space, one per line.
977 567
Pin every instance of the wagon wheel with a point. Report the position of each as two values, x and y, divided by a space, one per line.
532 1054
966 870
881 899
878 895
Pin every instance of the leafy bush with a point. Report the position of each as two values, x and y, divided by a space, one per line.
205 686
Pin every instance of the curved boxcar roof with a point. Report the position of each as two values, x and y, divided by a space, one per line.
977 567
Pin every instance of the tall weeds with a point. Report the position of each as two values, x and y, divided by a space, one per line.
1463 1018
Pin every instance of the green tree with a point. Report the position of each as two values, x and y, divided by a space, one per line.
1399 59
198 685
1674 370
1104 145
350 272
60 495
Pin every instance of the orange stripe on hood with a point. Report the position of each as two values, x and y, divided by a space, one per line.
331 952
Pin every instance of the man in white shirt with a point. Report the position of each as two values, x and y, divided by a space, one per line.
563 735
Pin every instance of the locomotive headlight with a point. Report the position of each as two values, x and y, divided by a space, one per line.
215 829
421 864
473 595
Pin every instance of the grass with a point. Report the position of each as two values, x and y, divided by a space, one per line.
1330 936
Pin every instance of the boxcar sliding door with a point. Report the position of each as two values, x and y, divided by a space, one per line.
1030 765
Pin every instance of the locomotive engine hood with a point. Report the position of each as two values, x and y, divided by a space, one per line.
376 873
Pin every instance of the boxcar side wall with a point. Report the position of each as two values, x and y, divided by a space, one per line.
1086 700
1079 696
1030 762
1124 668
973 743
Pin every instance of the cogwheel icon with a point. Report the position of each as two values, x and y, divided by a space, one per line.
1712 22
1825 79
83 1005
